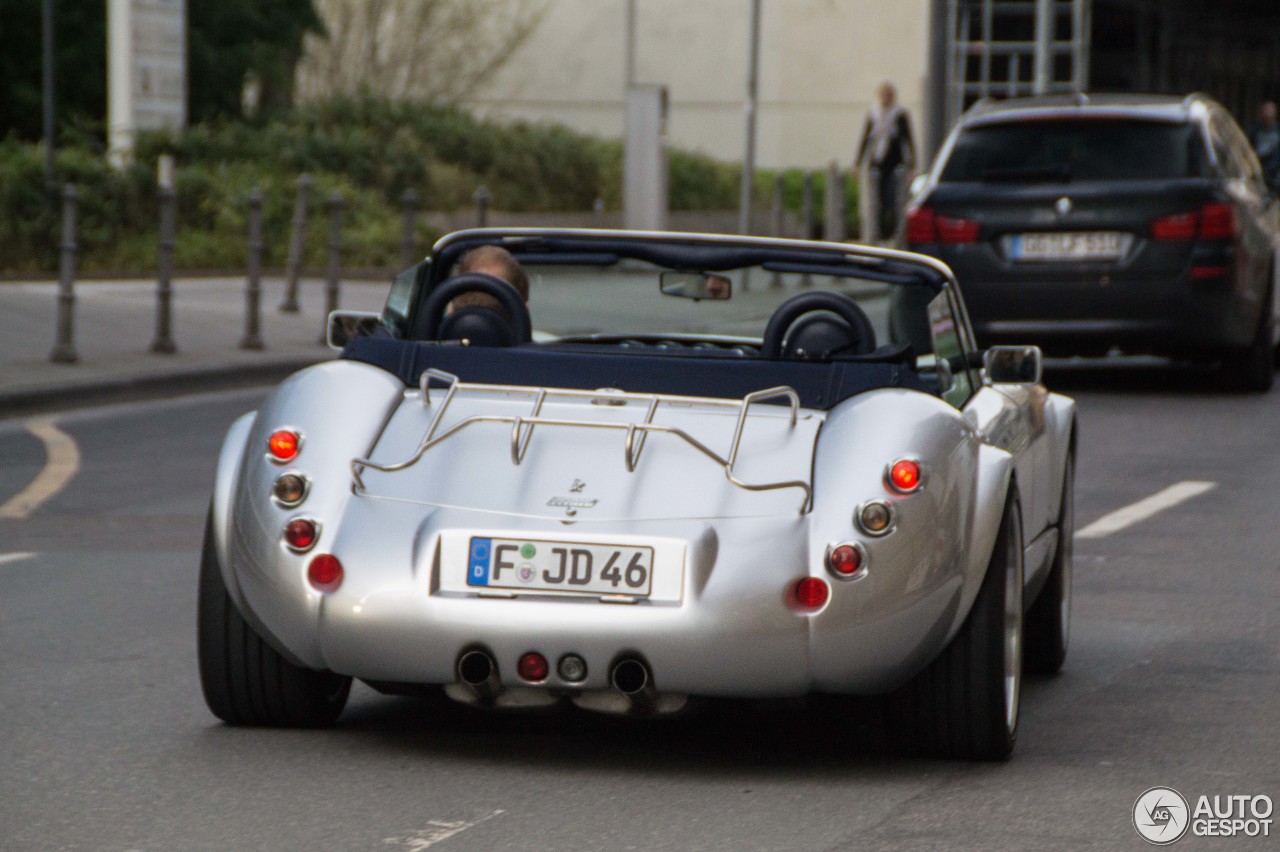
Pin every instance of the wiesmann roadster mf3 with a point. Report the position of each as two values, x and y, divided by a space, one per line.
689 466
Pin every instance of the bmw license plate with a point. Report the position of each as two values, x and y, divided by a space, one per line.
1073 245
560 566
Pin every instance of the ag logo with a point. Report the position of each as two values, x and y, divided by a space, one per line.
1161 815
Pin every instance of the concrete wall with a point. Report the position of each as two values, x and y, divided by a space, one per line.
820 61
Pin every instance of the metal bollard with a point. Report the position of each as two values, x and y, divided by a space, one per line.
777 222
163 342
253 286
407 251
869 206
64 348
334 205
806 217
806 205
483 199
834 230
297 241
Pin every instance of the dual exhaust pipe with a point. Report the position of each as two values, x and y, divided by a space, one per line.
477 671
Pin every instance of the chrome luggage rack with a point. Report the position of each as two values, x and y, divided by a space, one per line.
522 426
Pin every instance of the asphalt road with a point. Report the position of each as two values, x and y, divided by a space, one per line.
105 742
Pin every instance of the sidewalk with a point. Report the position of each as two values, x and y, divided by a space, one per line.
115 325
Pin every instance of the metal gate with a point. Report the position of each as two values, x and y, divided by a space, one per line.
1015 47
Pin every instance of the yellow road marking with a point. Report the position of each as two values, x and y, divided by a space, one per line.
62 463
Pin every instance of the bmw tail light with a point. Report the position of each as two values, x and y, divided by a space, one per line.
1213 221
956 231
1217 221
1206 273
922 225
1179 226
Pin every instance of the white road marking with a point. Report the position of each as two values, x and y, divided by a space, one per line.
61 465
6 558
439 830
1145 508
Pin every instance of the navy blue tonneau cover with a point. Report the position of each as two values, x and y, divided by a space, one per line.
821 385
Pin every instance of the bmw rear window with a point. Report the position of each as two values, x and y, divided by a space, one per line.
1071 150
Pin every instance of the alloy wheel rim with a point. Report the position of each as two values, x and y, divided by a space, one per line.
1013 628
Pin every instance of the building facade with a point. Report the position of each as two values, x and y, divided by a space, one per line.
820 62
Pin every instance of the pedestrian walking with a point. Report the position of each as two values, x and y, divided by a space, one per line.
1265 138
885 157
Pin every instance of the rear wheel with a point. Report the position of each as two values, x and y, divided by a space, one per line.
966 703
245 680
1253 369
1049 619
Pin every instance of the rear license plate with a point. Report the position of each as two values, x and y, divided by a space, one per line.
560 566
1074 245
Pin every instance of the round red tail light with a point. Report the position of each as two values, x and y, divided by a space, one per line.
533 667
301 534
845 560
283 445
812 592
325 573
904 475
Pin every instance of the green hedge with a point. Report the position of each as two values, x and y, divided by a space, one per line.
368 150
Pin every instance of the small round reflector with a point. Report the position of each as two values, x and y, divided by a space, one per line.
533 667
875 518
844 560
572 668
325 572
904 475
301 534
283 445
812 592
290 488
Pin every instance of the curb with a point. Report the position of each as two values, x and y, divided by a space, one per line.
70 395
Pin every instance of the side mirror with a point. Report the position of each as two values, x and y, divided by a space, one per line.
345 326
1013 365
695 285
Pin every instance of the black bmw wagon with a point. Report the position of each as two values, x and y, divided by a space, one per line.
1096 224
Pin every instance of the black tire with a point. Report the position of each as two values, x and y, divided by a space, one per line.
1048 628
1253 370
965 704
245 680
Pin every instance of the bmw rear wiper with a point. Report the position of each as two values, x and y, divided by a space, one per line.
1060 173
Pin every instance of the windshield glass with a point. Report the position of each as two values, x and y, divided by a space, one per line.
1075 150
621 299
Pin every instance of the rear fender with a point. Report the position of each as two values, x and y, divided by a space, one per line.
338 408
226 478
995 474
1060 417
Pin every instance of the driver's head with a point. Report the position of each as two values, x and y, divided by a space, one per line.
495 261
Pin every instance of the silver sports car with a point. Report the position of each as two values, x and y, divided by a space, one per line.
686 466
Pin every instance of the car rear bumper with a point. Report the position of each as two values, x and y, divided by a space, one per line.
1163 298
737 630
1088 314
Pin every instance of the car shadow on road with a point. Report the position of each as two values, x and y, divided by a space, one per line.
800 736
